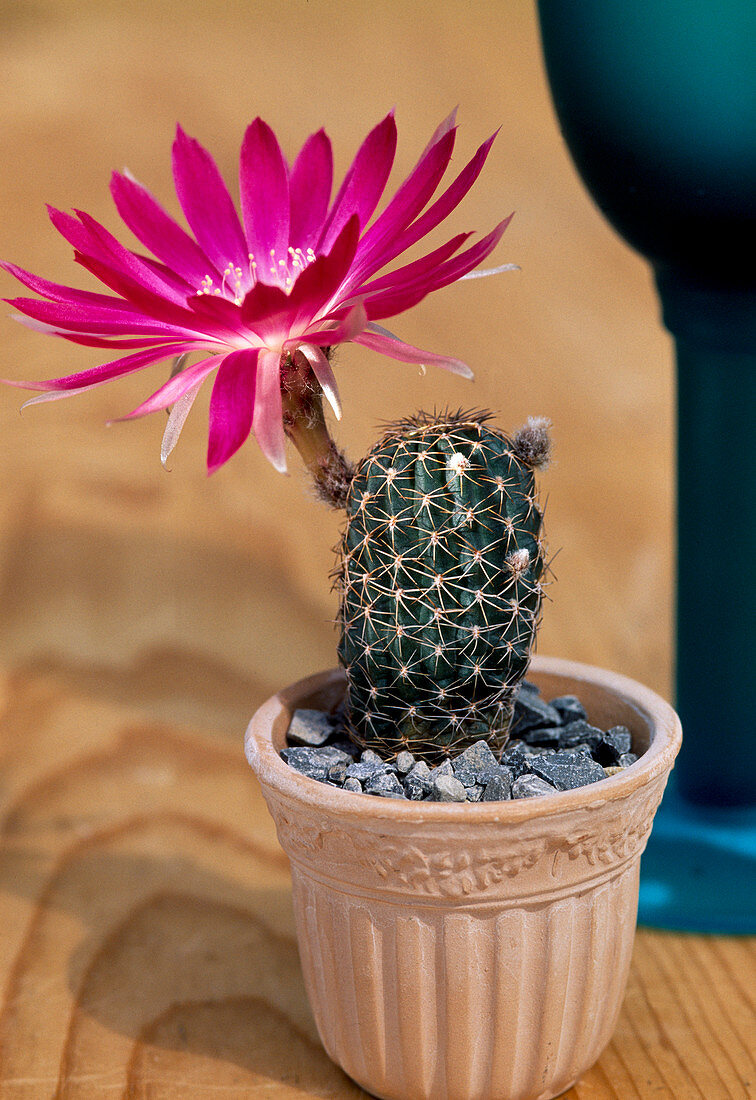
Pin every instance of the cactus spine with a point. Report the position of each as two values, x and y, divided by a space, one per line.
440 583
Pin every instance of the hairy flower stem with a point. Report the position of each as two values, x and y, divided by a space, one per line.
305 425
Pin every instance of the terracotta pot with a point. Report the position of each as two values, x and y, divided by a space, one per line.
465 952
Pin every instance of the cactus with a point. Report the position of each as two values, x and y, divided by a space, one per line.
440 579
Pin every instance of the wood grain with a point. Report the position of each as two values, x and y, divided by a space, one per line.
147 944
148 947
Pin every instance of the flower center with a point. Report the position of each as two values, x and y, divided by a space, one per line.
282 271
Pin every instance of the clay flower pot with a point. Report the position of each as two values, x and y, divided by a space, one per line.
465 952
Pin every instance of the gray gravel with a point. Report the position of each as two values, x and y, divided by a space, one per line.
553 748
310 727
531 786
448 789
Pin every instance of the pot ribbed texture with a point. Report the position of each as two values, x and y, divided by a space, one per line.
470 1002
469 952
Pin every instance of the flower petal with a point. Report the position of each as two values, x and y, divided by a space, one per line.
121 259
379 339
157 230
207 204
176 387
321 368
91 341
171 278
95 376
339 330
264 186
441 208
441 130
310 185
231 406
57 292
84 239
317 286
267 419
215 314
266 311
409 200
95 319
458 266
97 341
392 301
486 272
53 395
364 182
418 269
181 319
176 419
93 241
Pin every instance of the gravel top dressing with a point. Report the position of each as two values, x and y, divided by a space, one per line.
552 748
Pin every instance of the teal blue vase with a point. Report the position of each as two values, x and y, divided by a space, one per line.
657 104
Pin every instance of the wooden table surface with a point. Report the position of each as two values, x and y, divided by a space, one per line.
147 944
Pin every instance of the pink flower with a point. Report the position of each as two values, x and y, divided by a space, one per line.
296 275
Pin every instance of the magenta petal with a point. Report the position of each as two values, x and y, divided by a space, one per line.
441 208
182 287
59 293
395 300
103 342
231 406
94 320
267 420
147 219
441 130
207 204
409 200
150 303
454 268
364 182
176 387
317 285
213 312
119 257
310 185
389 345
338 330
321 368
104 373
264 185
93 241
263 300
266 311
88 340
79 236
418 269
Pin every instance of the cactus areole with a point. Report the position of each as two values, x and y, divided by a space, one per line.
440 578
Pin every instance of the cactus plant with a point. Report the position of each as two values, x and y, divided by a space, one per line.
440 578
443 561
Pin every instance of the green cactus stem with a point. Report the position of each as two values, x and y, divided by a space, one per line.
440 579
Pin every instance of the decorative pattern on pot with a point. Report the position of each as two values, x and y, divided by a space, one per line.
584 851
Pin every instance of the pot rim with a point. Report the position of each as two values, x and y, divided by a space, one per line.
270 721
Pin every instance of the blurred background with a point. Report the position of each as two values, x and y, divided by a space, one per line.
193 598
